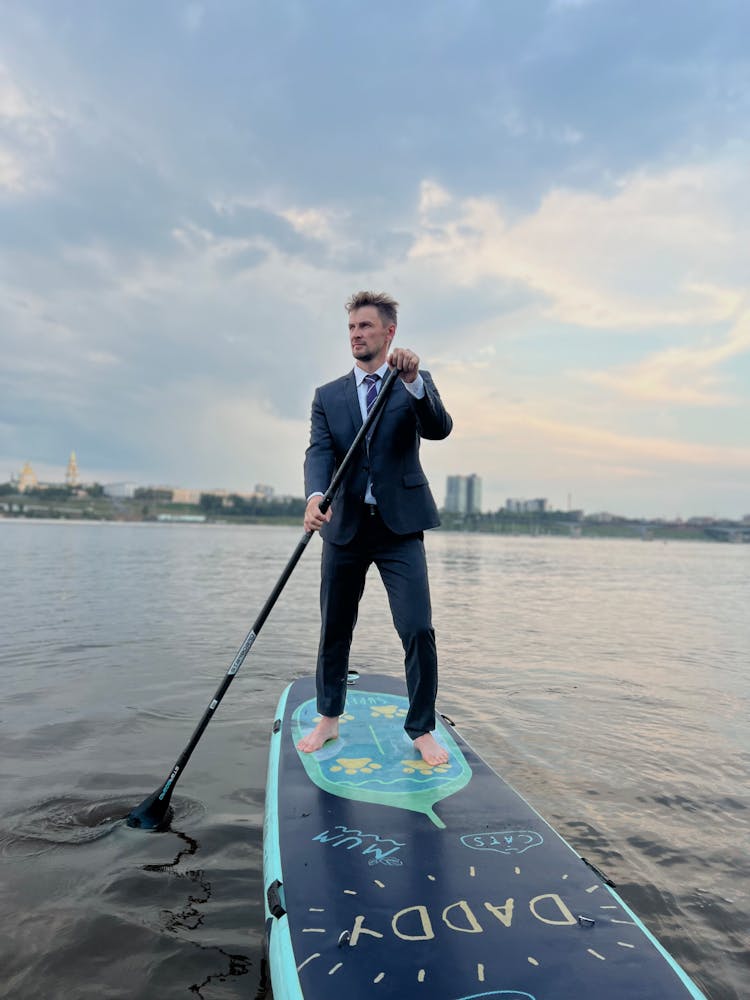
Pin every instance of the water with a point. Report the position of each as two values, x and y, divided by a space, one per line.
606 680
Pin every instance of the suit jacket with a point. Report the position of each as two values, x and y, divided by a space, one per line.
391 460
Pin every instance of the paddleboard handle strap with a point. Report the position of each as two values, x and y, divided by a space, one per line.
275 899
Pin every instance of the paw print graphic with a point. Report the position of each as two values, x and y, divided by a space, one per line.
346 717
422 767
387 712
355 765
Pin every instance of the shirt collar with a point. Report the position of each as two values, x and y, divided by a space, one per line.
359 373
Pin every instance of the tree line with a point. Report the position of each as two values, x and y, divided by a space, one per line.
237 506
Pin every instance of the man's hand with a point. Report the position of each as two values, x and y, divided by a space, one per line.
314 519
406 361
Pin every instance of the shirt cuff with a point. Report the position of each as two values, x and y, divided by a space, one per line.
315 493
415 388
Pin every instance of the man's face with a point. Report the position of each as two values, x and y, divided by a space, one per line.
369 336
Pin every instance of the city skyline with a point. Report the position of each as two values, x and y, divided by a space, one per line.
554 191
462 494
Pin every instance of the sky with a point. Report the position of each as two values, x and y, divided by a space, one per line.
556 192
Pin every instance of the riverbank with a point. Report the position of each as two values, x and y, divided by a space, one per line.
290 511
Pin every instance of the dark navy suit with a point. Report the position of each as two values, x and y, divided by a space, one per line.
389 536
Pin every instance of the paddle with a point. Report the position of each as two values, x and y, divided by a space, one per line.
154 812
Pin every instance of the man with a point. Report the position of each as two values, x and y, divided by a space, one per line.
378 516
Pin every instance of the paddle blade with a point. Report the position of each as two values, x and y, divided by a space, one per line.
154 813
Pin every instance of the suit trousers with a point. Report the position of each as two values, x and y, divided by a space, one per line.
402 565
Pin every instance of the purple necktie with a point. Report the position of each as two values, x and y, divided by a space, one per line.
372 390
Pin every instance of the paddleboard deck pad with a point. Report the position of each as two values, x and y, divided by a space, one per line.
386 877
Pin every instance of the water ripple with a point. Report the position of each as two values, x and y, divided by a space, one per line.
66 821
60 822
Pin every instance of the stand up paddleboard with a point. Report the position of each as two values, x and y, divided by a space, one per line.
386 877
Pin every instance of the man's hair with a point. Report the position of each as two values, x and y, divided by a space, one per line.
386 306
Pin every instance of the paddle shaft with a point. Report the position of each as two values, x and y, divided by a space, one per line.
159 801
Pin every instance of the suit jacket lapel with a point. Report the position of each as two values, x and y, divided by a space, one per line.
352 400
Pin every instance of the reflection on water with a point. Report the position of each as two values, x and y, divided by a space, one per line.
606 680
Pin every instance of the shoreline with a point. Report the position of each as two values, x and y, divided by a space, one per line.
624 529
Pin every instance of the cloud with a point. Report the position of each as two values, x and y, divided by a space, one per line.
14 106
11 171
571 4
28 137
537 427
556 193
663 249
685 374
208 434
193 15
549 440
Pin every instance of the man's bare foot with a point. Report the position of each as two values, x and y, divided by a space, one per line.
327 729
430 749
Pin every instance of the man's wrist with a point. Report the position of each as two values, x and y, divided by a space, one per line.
415 388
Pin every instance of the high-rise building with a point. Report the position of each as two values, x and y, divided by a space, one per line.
463 494
473 494
455 495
